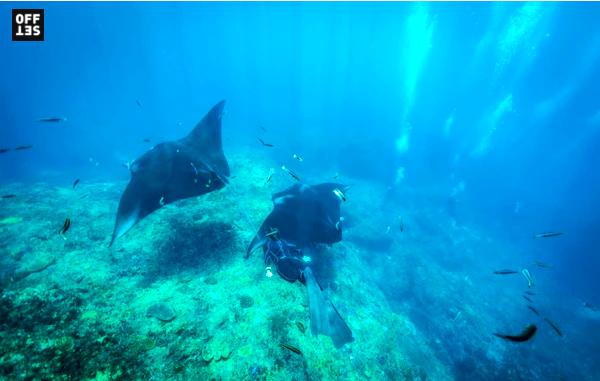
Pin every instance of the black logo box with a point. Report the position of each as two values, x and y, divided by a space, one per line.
28 25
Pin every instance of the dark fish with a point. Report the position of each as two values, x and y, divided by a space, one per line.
290 172
505 272
590 306
291 348
543 265
300 326
532 308
53 119
263 128
65 227
336 175
4 150
146 140
530 293
75 183
554 327
264 144
297 157
525 335
401 225
9 196
21 148
527 298
548 234
137 102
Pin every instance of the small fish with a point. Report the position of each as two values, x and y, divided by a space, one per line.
300 326
264 144
530 293
270 176
387 230
529 278
52 119
554 327
291 348
337 174
21 148
525 335
543 265
146 140
289 171
505 272
339 194
9 196
4 150
195 171
297 157
590 306
65 227
532 308
401 225
75 183
273 232
527 298
457 316
548 234
137 102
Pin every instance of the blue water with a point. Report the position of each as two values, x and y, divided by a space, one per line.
494 105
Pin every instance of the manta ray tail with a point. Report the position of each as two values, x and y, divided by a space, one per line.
324 317
206 138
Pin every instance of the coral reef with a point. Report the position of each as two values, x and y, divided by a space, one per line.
174 298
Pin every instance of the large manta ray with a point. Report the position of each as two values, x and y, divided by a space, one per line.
171 171
302 216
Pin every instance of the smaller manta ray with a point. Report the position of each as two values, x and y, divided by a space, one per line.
171 171
303 216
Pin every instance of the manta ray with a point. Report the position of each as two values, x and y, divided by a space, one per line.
302 216
170 171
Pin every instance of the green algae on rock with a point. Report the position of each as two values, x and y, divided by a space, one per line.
11 220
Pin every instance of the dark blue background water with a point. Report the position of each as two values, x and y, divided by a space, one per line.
501 98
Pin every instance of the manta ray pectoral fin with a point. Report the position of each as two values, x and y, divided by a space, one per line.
324 317
123 224
256 243
130 210
206 139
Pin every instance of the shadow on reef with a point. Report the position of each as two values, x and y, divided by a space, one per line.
192 247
